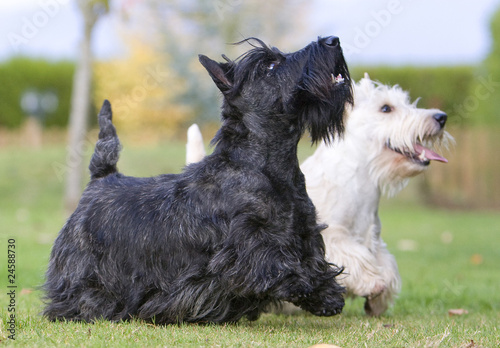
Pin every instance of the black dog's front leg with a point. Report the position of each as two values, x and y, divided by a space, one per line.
324 301
257 260
327 297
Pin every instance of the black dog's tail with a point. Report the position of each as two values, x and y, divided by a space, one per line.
107 148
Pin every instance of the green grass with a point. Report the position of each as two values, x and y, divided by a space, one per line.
452 262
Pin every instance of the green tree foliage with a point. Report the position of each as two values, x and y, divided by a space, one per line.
492 62
483 105
21 74
142 91
186 28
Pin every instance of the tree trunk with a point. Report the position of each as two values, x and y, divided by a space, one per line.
78 119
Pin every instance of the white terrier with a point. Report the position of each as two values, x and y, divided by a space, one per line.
387 141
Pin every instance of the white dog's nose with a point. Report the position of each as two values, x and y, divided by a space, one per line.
440 118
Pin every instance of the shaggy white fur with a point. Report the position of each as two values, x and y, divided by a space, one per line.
387 140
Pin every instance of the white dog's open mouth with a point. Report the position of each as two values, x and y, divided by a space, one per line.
420 154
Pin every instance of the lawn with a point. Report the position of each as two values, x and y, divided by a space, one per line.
447 259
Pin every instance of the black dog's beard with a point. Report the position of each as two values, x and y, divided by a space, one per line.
320 118
322 95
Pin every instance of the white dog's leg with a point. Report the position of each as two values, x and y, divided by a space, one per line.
361 274
376 305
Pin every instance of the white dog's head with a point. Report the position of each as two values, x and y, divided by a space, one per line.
399 138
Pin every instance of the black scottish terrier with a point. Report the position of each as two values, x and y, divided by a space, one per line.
230 235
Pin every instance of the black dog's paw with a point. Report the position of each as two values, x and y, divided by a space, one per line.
323 303
294 289
324 308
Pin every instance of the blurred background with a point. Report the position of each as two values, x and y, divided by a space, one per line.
60 58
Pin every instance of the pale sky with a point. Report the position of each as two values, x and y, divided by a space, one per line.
409 31
391 32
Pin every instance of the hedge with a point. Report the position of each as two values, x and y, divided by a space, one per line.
18 75
450 89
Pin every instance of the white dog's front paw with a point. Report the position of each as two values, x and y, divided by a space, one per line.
379 299
376 305
377 290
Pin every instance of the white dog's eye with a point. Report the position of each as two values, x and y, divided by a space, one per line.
386 108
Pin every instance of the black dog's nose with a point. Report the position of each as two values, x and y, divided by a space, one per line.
440 118
332 41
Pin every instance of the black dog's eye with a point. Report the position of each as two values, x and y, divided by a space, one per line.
386 108
271 66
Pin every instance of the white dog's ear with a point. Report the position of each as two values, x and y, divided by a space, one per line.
366 81
364 87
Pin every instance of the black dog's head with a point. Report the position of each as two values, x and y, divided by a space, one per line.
286 92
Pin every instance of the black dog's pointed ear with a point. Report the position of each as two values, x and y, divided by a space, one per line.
218 72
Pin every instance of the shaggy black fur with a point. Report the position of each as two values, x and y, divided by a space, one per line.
228 236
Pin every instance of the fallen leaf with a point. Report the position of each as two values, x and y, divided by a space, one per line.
446 237
26 291
476 259
471 344
407 245
458 311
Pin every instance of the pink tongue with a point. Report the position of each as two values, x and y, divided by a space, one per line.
429 154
